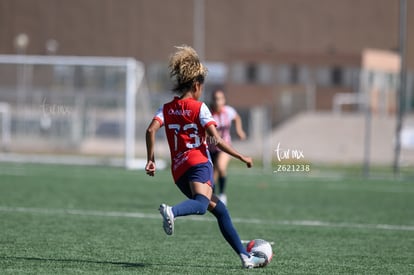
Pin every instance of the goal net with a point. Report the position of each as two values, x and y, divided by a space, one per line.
68 109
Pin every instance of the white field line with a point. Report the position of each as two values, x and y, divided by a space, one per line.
138 215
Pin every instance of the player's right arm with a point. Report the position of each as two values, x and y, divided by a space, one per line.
150 141
152 129
225 147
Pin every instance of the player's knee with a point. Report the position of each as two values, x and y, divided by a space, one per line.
203 203
202 211
221 172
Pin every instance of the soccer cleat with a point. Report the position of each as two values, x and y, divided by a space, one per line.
168 218
252 261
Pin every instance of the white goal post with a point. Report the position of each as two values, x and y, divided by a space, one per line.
22 68
5 124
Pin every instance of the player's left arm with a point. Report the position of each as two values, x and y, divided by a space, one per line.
150 141
207 121
225 147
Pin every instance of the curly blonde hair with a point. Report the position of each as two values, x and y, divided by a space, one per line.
186 69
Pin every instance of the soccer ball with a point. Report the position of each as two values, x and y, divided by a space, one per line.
260 248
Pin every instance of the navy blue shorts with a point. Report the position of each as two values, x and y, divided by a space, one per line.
199 173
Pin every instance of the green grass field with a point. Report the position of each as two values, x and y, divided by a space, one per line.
100 220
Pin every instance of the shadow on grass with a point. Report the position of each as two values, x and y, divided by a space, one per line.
123 264
115 263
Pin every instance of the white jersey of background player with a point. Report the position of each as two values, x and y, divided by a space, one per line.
224 115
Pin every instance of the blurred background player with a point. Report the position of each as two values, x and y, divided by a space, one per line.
187 121
224 115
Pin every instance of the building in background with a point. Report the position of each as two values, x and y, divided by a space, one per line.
275 58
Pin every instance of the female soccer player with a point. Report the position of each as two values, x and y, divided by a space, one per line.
187 122
224 115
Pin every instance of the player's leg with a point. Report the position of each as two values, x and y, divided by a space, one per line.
198 201
219 210
198 188
214 155
222 163
215 177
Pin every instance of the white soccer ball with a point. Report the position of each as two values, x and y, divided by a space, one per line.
260 248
